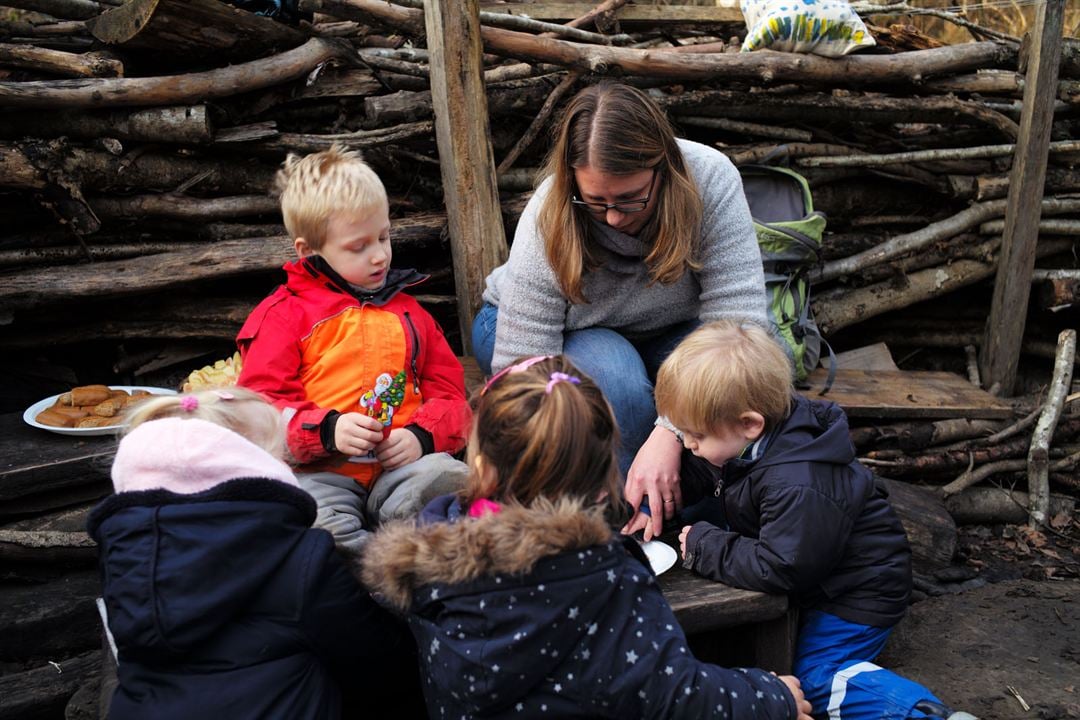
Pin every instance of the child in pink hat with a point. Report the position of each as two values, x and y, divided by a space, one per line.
222 599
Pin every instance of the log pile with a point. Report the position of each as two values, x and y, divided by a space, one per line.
138 145
141 166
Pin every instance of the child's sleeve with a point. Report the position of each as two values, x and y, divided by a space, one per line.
346 628
802 538
269 347
445 411
669 682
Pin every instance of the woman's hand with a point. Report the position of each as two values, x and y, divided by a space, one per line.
795 688
654 473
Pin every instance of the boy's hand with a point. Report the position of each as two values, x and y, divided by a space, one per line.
638 522
795 688
685 533
401 448
356 434
655 472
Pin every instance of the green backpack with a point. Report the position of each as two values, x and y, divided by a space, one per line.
789 234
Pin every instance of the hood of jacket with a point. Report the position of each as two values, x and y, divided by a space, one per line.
179 567
313 271
483 594
815 431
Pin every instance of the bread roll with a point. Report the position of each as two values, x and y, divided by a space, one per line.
75 413
108 408
93 421
119 393
54 419
64 399
89 394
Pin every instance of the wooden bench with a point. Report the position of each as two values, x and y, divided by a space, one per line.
41 471
708 610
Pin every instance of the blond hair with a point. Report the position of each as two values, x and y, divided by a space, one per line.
545 438
243 411
617 129
316 186
720 371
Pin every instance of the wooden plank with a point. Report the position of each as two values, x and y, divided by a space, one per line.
44 691
870 357
50 620
701 604
34 461
900 394
474 378
477 237
1012 287
665 14
774 643
57 537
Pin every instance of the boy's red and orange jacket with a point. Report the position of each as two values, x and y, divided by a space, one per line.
315 348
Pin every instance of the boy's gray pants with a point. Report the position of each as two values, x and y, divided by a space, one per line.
349 511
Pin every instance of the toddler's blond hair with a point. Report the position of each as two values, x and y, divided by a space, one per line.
720 371
316 186
243 411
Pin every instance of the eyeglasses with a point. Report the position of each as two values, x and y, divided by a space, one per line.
510 369
624 206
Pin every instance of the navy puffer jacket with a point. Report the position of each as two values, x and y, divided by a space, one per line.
227 604
544 613
804 518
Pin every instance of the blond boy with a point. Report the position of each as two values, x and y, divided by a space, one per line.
373 395
788 509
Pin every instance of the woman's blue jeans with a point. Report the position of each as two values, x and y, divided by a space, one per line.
623 369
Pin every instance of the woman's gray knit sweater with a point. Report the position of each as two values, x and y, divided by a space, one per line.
534 313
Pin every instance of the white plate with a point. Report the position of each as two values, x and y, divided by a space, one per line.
34 410
661 555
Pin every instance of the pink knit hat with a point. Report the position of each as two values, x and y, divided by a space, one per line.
188 456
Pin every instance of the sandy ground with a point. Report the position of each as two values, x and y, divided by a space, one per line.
1021 629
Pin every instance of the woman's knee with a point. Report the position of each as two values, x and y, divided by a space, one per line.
483 336
608 358
616 367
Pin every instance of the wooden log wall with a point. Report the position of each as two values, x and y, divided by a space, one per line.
150 181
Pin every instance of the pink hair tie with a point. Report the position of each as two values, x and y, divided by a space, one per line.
483 507
557 377
188 403
223 395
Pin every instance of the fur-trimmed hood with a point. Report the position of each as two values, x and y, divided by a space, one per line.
402 557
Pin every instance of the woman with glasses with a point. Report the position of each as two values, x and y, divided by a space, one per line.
631 241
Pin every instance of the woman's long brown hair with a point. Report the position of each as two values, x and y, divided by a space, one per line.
617 129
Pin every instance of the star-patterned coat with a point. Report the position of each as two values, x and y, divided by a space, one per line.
545 613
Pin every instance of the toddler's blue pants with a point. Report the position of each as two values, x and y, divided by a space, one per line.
833 661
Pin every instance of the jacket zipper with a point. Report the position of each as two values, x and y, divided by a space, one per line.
415 352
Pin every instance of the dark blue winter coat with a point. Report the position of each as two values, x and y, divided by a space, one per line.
544 613
227 604
804 518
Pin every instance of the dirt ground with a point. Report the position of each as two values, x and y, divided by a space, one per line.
1017 623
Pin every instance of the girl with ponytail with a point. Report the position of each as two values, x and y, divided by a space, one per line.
524 601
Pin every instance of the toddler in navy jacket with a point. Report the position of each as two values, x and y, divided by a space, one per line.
788 509
223 601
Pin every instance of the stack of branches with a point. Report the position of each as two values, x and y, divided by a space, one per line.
1038 450
150 174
